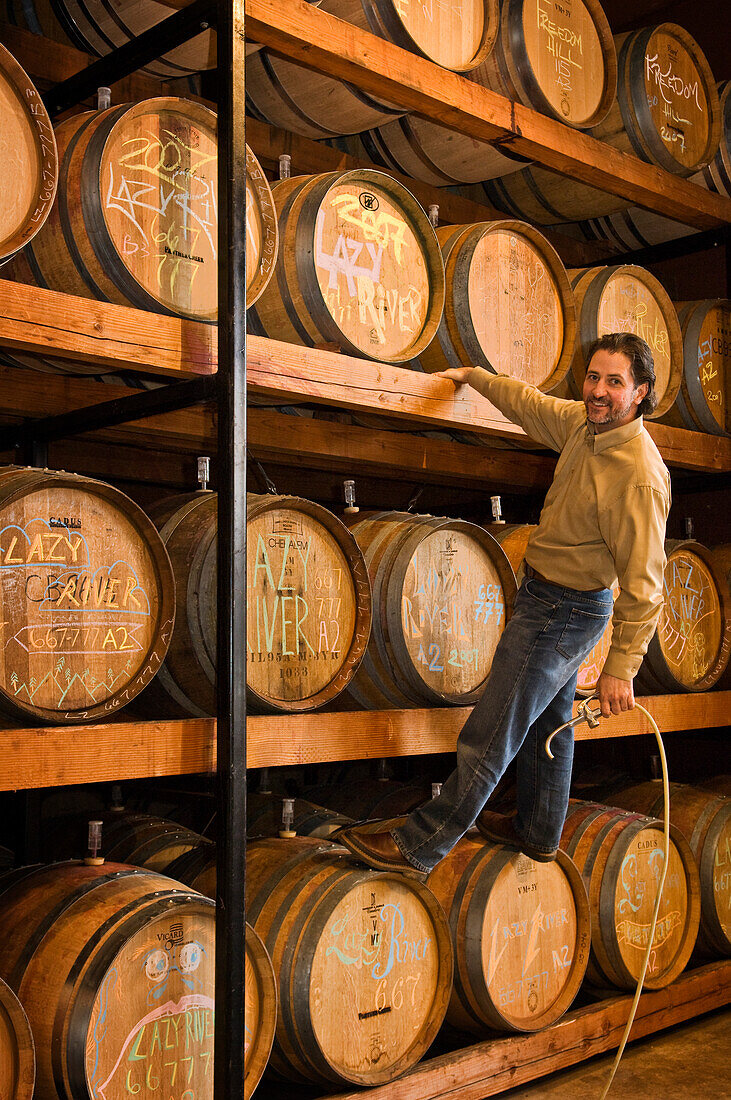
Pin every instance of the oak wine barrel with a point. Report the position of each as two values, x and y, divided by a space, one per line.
87 597
316 105
509 304
308 597
360 267
136 218
373 798
120 962
442 593
98 28
704 819
667 112
513 538
427 151
287 95
635 228
703 403
691 647
363 958
620 857
559 60
626 298
262 230
144 840
520 932
292 97
260 1009
30 169
264 816
262 243
17 1050
141 839
721 784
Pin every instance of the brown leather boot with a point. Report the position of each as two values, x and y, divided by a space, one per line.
376 849
500 829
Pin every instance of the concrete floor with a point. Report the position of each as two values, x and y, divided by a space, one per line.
689 1062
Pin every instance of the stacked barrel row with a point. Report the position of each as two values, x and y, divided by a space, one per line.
104 605
360 267
491 941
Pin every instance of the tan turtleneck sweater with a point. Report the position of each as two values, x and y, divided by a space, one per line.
604 515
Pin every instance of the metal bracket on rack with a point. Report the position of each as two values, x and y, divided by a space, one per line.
163 37
36 434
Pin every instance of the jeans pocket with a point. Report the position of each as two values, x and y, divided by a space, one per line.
582 631
531 586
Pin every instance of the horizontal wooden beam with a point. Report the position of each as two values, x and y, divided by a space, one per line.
282 371
489 1068
46 323
395 455
60 755
370 735
319 41
315 156
274 436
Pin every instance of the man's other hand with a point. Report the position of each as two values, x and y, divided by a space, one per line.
614 695
458 375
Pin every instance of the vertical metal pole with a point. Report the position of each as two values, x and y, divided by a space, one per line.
231 464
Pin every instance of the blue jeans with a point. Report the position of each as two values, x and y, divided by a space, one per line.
529 692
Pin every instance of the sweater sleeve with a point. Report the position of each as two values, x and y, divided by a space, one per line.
548 420
634 531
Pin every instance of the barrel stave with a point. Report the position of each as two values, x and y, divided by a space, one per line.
29 182
17 1050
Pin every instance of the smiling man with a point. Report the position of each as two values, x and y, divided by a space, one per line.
603 520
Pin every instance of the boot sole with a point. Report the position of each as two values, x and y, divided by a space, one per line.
377 863
527 849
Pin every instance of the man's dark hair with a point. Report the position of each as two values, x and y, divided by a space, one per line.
642 365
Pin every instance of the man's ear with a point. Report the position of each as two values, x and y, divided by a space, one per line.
641 393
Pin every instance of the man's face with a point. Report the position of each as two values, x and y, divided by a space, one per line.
609 393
